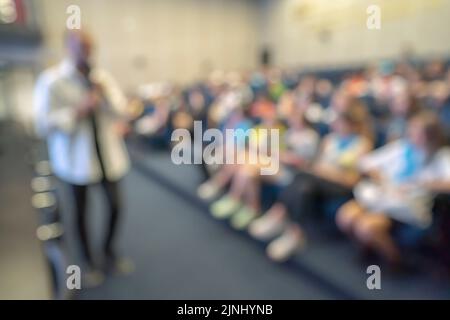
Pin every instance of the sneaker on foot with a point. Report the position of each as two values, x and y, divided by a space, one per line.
208 190
241 219
224 207
119 266
266 227
284 247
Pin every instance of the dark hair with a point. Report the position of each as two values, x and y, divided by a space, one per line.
415 105
432 127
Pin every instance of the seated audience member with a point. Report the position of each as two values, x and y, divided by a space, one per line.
301 142
154 120
318 176
286 105
323 92
397 198
357 84
434 70
340 102
263 107
384 85
276 87
402 106
297 150
304 92
239 121
332 175
438 100
197 105
244 175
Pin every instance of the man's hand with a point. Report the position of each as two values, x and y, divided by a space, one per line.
123 128
90 103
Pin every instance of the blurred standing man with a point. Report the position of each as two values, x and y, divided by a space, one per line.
78 110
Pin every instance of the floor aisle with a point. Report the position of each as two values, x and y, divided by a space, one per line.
182 254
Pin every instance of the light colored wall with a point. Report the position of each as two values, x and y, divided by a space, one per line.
148 40
293 29
182 40
16 95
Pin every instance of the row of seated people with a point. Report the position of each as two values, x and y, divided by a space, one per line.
366 150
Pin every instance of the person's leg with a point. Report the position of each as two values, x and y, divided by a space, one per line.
112 194
245 189
239 183
212 187
271 224
253 194
224 175
374 230
293 203
291 240
80 201
299 197
347 216
241 178
278 209
114 263
245 186
296 201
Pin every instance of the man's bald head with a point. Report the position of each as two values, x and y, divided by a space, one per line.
79 45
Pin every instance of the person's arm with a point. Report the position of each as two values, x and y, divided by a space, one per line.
373 163
64 116
438 186
291 158
437 177
328 171
108 88
334 173
346 178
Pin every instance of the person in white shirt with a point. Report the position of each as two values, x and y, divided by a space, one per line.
397 198
80 110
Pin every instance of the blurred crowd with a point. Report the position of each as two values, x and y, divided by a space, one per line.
363 153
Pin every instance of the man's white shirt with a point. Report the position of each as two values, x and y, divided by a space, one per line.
70 140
